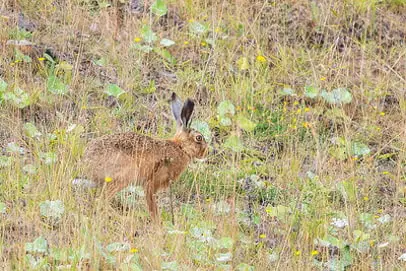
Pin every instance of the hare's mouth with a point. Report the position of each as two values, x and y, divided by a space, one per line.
203 153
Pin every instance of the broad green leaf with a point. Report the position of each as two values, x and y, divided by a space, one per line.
287 92
3 208
224 257
52 209
18 98
143 48
100 62
221 208
280 211
226 108
367 220
30 169
225 242
118 247
114 90
31 131
48 157
245 267
338 152
159 8
167 42
348 190
165 54
13 147
360 236
65 66
243 63
189 212
131 263
36 263
5 161
20 56
330 240
311 92
225 121
198 28
359 149
147 34
171 266
105 254
19 34
385 219
49 58
203 128
3 85
40 245
56 86
244 123
151 88
339 222
202 233
337 96
234 143
273 257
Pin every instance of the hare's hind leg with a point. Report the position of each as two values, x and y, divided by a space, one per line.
151 203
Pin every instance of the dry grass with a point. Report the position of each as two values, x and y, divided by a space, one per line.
301 148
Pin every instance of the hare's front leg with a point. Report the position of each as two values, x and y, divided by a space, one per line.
151 202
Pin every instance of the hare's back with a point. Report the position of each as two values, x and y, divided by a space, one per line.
126 143
122 156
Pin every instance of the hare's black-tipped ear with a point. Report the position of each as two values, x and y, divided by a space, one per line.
176 105
186 113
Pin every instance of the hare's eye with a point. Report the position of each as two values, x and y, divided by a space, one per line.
199 138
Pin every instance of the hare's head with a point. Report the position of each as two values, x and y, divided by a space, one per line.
190 140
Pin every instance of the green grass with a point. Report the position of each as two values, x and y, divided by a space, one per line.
295 181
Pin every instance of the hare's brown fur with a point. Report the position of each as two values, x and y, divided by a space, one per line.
132 158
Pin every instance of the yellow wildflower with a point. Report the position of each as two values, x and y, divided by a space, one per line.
133 250
108 179
137 39
185 42
261 59
314 252
41 58
366 198
262 236
203 43
298 252
305 124
323 79
382 113
306 109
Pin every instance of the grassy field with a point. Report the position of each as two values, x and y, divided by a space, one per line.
303 103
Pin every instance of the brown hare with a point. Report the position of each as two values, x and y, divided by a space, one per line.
117 160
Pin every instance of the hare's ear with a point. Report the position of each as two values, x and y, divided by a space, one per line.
186 113
176 105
